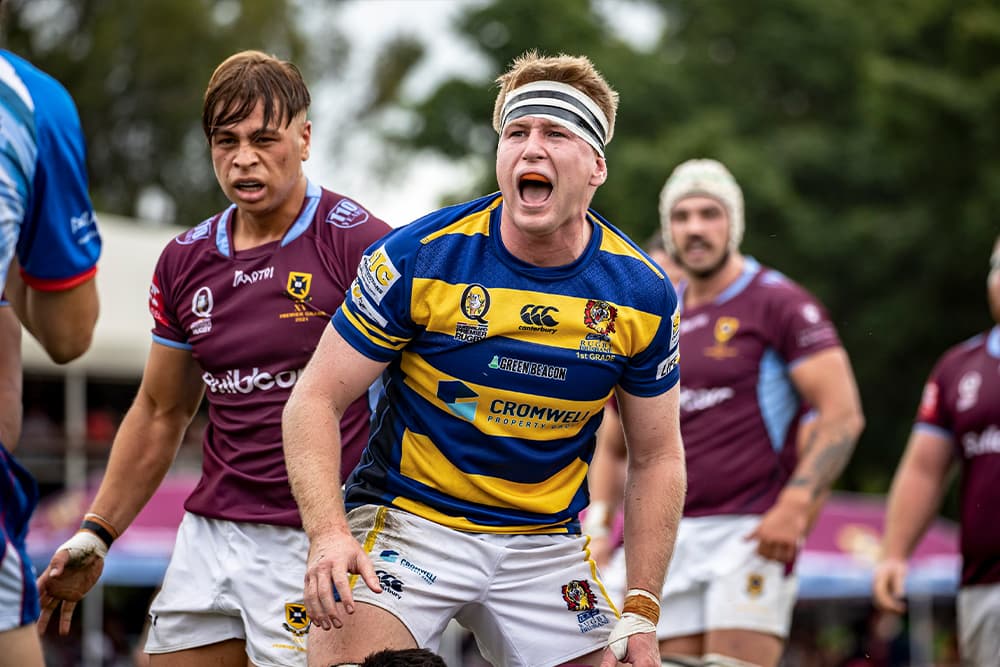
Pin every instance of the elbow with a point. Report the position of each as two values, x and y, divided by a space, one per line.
63 349
856 423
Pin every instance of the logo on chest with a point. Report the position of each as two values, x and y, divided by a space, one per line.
475 303
298 288
201 305
241 277
725 329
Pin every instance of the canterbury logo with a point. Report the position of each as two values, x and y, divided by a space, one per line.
539 315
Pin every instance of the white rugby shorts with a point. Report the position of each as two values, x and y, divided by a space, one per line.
234 580
716 581
530 600
979 624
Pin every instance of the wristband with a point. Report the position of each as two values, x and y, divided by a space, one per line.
100 531
643 603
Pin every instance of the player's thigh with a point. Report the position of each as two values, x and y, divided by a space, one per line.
683 646
367 630
229 653
265 580
185 613
427 572
21 647
545 604
754 648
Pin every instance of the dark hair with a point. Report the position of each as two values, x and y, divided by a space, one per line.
249 77
411 657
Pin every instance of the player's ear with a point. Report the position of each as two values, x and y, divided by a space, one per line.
306 139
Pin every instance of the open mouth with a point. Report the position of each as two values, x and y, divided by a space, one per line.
248 185
534 188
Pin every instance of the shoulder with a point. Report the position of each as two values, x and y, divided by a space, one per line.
958 354
193 242
445 224
340 212
46 98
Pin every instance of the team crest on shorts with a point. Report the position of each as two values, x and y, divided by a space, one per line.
755 585
578 596
296 619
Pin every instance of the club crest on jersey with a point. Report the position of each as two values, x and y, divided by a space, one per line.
578 596
600 316
725 329
201 305
474 304
755 585
347 214
296 619
968 391
299 284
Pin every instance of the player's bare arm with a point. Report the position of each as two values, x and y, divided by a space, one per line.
62 321
914 499
654 499
826 382
11 378
335 376
147 440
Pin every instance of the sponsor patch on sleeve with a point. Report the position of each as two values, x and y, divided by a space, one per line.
347 214
668 365
377 274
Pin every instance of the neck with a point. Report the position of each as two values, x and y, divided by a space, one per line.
556 248
705 289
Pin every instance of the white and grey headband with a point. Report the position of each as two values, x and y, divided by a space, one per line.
561 103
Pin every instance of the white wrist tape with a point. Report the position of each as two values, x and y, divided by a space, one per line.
629 624
82 545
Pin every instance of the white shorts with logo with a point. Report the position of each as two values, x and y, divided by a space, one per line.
979 624
233 580
716 581
530 600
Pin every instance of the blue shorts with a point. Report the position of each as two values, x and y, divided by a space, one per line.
18 497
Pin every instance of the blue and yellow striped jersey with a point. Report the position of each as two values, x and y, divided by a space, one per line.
499 369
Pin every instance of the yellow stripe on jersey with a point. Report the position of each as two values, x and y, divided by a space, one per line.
461 523
423 462
634 329
504 413
616 245
374 334
477 223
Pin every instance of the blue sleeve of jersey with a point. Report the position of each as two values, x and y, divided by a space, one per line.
656 369
375 316
59 243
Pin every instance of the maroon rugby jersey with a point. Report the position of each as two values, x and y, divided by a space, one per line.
961 401
739 409
252 319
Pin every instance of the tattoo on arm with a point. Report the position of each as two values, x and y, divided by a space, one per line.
828 463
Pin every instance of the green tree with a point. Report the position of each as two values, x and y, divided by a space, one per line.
864 135
138 70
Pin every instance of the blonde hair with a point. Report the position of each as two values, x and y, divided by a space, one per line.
576 71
